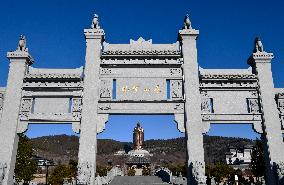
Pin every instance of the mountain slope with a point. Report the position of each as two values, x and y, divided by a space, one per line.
62 148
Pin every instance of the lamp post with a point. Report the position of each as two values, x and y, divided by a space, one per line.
46 171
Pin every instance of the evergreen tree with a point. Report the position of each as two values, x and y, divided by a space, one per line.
25 166
60 172
221 171
257 160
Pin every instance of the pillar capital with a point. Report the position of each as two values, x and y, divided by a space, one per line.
21 54
187 31
95 32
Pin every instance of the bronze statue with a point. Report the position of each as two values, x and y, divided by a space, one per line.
138 137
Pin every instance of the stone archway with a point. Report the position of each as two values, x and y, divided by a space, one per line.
135 78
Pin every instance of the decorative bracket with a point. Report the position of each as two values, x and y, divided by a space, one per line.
179 119
102 119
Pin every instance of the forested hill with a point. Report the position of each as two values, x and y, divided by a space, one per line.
62 148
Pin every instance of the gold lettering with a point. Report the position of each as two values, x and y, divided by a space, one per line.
157 89
124 89
135 88
146 89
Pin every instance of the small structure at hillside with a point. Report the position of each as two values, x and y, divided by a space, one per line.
138 157
239 158
42 162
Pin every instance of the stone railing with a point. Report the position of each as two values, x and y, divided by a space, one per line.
180 180
115 171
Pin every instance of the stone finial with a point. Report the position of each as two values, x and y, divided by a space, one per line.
95 22
187 22
258 45
22 44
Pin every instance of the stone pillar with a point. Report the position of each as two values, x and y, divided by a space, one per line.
88 131
19 62
193 120
272 134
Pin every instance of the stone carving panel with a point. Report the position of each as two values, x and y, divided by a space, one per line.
175 71
106 71
3 167
198 172
26 108
280 172
206 103
253 105
76 104
280 105
85 170
105 89
1 101
176 89
26 105
179 107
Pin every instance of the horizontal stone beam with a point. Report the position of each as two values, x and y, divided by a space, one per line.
140 108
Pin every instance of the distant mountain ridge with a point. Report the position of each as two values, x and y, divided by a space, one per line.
62 148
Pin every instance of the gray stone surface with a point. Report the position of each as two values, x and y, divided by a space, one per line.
19 61
193 119
137 180
90 118
272 137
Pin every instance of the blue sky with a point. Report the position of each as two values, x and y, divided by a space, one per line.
54 30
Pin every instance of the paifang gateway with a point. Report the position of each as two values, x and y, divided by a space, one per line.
142 78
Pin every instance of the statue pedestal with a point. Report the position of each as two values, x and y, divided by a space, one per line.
139 153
